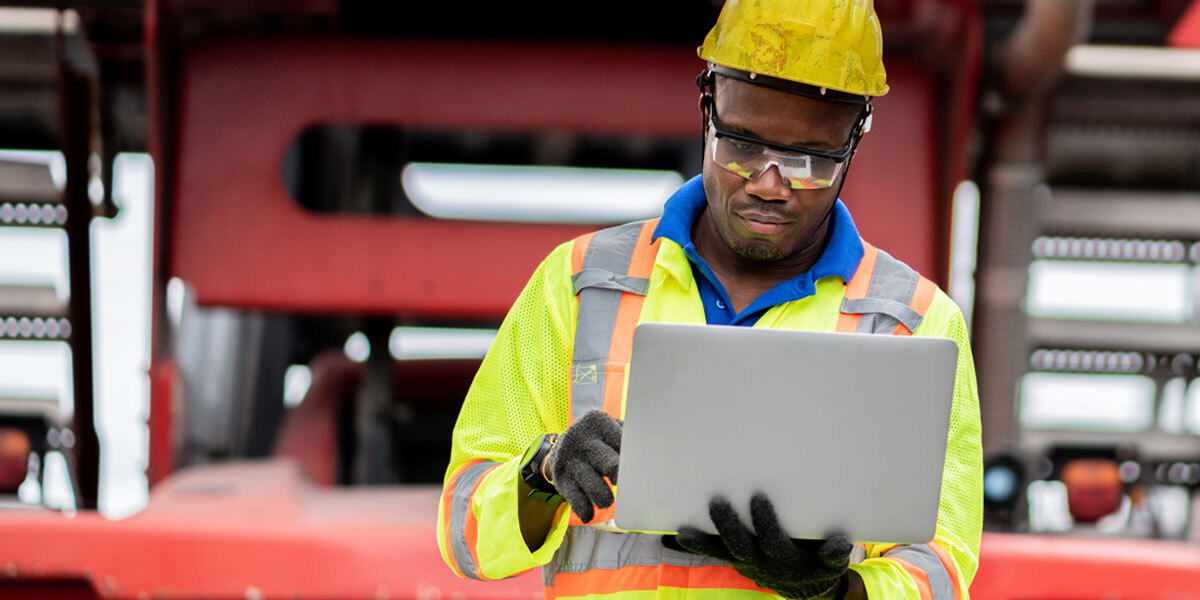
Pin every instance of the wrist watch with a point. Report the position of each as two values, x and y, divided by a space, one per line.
840 588
531 470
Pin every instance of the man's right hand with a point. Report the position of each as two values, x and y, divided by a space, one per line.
583 456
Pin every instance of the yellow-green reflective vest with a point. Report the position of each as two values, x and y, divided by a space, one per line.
563 350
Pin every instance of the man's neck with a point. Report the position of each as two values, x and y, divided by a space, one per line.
746 279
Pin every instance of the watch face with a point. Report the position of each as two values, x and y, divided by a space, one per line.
528 469
529 452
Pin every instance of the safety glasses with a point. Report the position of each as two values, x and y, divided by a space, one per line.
800 168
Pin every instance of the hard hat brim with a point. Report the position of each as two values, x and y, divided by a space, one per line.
791 87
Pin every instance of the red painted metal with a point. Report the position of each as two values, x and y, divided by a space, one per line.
892 186
1186 33
252 530
267 531
160 100
1016 567
240 240
309 432
165 400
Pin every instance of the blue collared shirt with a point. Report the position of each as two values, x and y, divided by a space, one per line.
841 257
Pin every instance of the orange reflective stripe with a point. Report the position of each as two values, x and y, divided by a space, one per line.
579 250
471 529
629 313
922 298
649 578
615 387
918 576
948 564
848 323
599 515
644 254
857 288
640 265
447 495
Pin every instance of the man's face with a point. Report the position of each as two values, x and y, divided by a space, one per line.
763 218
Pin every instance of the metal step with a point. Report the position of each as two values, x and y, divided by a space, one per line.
1114 249
1155 338
48 329
27 183
32 215
45 407
1162 157
32 312
1151 446
1123 213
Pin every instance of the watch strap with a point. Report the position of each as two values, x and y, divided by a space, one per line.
531 470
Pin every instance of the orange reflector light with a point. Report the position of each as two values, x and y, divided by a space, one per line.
14 459
1094 488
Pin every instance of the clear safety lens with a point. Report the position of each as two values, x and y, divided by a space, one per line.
800 171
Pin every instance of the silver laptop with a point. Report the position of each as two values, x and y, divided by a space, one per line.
846 433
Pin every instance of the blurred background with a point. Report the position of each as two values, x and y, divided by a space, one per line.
251 253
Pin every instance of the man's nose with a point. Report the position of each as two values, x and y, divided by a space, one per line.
769 184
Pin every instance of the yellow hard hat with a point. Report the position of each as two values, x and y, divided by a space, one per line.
827 44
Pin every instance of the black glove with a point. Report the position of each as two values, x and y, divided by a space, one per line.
583 456
789 567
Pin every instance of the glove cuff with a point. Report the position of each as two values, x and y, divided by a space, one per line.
840 588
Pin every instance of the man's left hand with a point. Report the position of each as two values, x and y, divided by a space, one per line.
791 568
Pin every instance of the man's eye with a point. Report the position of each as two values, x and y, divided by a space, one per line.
744 146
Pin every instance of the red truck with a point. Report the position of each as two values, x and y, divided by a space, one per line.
287 138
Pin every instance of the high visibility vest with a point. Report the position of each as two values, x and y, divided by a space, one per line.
563 350
611 272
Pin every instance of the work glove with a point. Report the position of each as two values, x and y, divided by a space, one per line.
583 456
791 568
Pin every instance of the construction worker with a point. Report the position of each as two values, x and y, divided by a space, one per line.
759 239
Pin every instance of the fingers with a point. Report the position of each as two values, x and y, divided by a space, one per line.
775 542
835 552
594 486
604 427
695 541
736 537
603 459
579 501
595 440
584 455
671 543
577 473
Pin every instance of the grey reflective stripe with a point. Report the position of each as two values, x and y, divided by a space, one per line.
585 548
924 558
460 503
610 252
885 308
598 278
892 286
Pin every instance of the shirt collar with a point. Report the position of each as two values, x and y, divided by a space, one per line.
841 257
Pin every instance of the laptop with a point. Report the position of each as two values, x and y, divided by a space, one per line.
845 433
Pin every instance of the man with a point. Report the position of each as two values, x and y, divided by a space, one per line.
759 239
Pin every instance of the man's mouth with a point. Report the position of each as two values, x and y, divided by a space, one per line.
763 223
